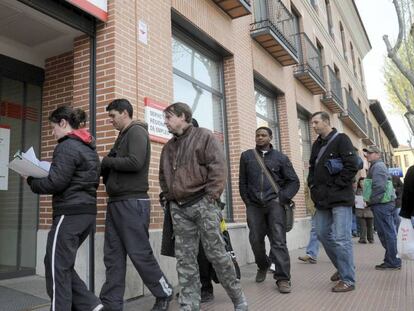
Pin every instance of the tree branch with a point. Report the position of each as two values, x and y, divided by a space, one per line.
398 94
401 26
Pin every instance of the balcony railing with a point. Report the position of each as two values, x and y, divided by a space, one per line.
370 137
235 8
333 97
354 117
309 70
274 29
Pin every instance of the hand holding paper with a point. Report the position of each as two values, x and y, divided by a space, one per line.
27 164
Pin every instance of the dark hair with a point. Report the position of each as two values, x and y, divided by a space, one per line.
359 182
179 109
324 115
76 117
194 122
269 131
121 105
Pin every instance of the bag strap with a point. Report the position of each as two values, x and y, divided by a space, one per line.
323 149
266 172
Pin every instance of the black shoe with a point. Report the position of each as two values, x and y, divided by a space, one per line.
261 275
371 241
206 296
161 304
362 241
335 277
385 266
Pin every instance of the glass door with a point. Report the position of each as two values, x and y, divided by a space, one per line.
20 120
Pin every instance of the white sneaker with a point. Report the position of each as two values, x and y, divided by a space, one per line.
98 307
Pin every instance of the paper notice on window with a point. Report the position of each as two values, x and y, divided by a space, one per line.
4 157
27 164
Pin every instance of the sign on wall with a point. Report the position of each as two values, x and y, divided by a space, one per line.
4 156
97 8
395 171
143 32
154 116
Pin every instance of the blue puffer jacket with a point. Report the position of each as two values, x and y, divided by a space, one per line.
254 186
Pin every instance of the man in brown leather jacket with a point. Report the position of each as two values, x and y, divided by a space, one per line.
192 177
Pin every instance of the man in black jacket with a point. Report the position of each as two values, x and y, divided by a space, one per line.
333 166
125 173
265 213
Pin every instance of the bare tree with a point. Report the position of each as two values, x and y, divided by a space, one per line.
404 10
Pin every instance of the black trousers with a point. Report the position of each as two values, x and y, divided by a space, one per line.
269 220
64 286
366 226
126 233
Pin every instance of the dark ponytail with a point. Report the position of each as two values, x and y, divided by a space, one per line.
76 117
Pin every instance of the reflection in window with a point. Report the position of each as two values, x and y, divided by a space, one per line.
196 65
266 114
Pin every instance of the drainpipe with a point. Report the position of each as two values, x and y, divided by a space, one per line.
92 128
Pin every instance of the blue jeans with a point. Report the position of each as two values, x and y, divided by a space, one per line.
333 227
312 249
384 223
397 219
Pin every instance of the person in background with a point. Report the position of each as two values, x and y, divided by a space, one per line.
364 215
407 206
399 188
312 250
72 181
383 208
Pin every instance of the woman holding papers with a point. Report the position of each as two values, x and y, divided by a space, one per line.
364 215
73 180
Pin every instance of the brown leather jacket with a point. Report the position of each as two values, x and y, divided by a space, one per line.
192 165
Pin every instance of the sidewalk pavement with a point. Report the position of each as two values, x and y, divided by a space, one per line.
311 287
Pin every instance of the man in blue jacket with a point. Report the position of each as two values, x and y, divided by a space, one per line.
264 208
382 208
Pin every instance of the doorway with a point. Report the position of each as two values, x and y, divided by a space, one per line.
20 121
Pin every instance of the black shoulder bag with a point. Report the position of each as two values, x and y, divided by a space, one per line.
289 207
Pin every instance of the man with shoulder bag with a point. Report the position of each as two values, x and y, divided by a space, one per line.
332 168
380 197
267 184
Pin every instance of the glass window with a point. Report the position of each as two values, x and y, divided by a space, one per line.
198 83
266 113
406 161
305 143
329 17
397 161
196 65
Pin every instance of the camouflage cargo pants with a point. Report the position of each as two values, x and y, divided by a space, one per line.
201 221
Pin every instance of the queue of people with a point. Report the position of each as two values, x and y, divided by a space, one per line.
192 177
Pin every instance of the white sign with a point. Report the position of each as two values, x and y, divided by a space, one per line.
143 32
4 156
154 116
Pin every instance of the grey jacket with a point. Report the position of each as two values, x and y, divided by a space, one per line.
378 172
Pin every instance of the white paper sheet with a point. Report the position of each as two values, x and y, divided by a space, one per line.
27 164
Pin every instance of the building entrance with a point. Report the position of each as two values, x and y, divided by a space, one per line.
20 116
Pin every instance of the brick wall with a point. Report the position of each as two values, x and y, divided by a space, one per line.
57 90
130 69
